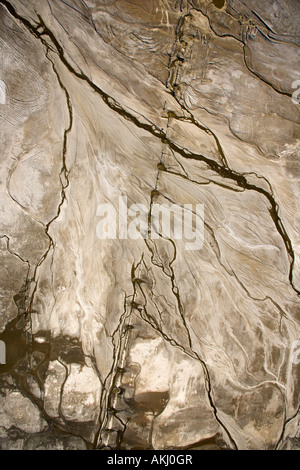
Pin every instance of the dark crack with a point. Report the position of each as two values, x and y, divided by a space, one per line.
220 169
224 171
286 421
137 283
243 42
120 339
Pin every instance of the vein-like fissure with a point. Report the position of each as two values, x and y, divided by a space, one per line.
224 171
286 421
111 384
12 252
51 421
251 70
137 282
64 180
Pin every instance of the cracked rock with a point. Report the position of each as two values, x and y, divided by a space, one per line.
118 333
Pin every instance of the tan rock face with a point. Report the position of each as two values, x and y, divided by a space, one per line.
127 339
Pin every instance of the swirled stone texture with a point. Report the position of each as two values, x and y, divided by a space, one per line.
123 342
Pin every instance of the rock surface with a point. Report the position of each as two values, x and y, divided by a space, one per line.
141 343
